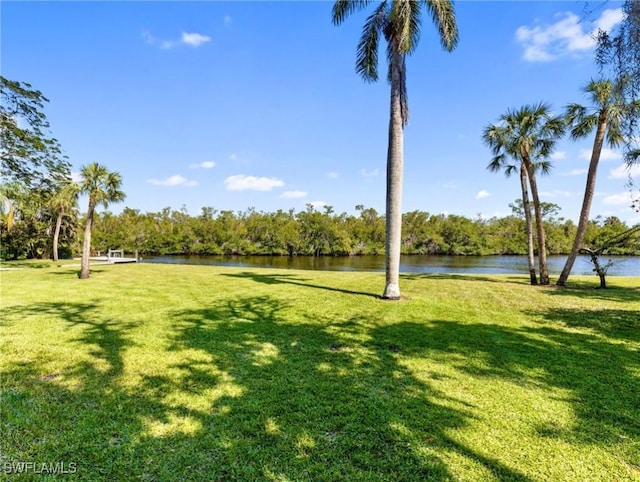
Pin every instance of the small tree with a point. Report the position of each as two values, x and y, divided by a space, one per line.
594 254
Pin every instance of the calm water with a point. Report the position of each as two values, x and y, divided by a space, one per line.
623 265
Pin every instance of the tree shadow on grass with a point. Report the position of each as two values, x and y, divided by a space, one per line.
600 376
282 278
465 277
107 336
77 413
584 290
615 324
315 403
250 394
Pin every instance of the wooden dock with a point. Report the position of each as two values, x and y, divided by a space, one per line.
115 256
113 260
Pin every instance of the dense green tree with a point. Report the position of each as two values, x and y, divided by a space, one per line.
399 23
528 134
29 154
29 233
605 116
101 187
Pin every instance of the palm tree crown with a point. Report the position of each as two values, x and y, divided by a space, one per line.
399 23
530 132
100 185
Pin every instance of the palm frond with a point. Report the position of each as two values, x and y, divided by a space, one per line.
583 126
615 137
499 162
343 8
404 98
444 17
601 92
543 166
574 112
405 19
632 157
367 53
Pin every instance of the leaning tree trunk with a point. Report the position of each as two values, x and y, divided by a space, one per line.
394 183
86 244
529 225
588 197
56 234
542 245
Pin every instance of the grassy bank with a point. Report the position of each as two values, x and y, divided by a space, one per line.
152 372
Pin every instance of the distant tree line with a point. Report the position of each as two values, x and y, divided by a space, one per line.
312 232
322 232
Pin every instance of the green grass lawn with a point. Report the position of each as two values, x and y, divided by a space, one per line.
162 373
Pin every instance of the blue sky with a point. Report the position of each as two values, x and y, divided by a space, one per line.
257 104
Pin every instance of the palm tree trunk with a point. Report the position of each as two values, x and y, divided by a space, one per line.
56 234
586 202
529 225
395 159
542 245
86 244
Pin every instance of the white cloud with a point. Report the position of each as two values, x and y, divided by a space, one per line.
483 194
450 185
233 157
191 39
176 180
240 182
574 172
623 171
609 19
317 204
568 35
76 176
293 194
332 175
372 173
555 193
605 155
558 156
227 19
617 199
203 165
194 39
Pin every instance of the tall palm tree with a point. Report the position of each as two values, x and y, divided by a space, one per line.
61 202
399 22
606 116
500 161
529 135
102 187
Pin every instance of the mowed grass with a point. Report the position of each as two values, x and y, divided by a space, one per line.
162 373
